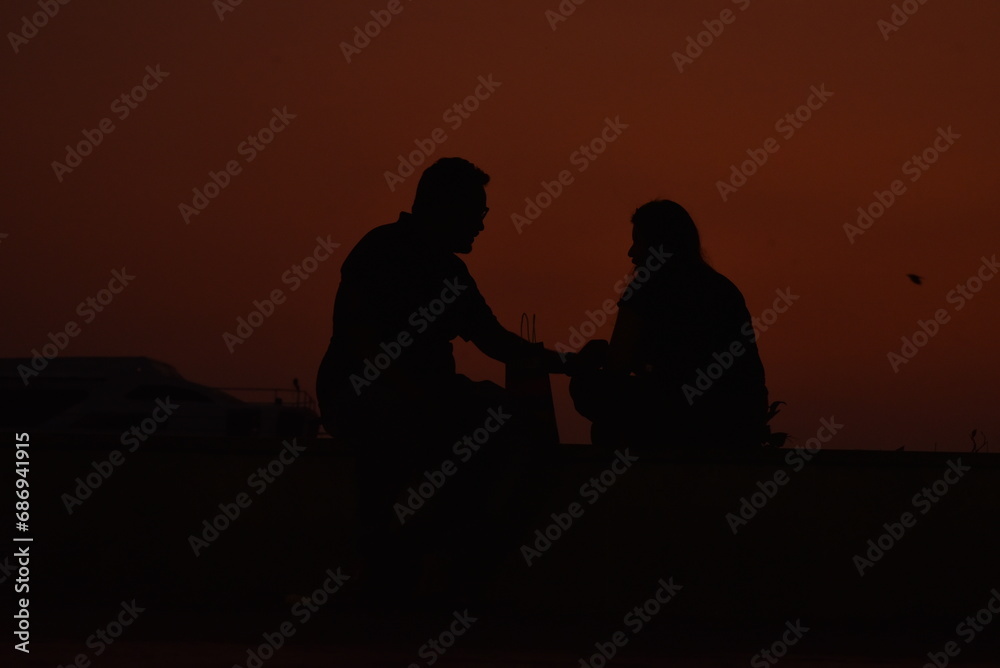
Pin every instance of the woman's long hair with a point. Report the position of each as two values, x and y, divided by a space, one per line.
663 221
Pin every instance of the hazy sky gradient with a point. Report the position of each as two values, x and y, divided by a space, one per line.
324 175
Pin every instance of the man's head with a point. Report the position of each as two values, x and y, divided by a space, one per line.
664 223
451 199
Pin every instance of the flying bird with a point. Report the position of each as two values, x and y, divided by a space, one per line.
916 279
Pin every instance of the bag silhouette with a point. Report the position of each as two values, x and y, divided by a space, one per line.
528 381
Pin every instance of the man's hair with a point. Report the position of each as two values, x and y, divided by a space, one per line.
665 222
446 181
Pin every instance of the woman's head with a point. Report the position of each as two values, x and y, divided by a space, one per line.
667 224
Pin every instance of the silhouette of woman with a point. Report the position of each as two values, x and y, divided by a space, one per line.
682 369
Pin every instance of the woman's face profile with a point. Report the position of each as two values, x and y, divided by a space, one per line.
639 250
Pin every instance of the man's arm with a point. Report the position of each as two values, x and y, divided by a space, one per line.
506 346
481 327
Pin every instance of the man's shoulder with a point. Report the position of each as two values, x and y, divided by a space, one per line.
379 245
388 235
398 248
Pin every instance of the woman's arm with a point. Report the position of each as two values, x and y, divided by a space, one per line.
625 349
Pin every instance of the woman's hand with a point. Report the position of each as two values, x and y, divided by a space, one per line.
591 357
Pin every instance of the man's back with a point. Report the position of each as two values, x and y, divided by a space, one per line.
400 303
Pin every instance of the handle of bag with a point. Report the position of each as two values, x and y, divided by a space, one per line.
528 329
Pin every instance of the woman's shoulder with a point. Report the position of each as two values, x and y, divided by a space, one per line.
724 285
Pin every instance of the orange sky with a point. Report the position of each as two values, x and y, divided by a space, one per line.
324 175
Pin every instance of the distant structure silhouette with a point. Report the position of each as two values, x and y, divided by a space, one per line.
388 386
682 368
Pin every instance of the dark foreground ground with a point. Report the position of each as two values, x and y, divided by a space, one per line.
785 579
346 638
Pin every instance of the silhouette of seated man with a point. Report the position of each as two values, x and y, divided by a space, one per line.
388 384
682 369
